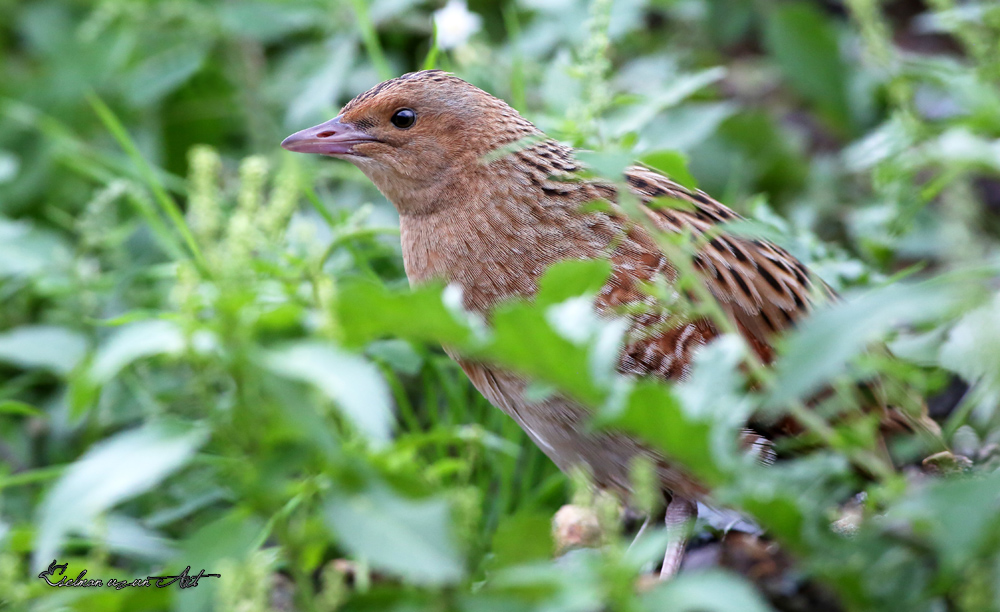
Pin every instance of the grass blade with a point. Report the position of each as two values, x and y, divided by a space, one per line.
370 37
318 206
430 62
166 202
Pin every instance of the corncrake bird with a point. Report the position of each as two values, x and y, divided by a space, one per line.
493 224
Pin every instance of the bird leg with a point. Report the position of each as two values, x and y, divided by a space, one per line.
679 518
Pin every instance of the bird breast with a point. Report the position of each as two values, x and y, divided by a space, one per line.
495 237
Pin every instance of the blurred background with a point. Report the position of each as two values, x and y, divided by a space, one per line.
181 382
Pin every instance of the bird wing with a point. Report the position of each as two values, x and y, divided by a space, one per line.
760 287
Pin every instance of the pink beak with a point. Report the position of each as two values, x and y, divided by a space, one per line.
330 138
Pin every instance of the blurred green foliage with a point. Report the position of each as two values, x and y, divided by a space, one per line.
209 356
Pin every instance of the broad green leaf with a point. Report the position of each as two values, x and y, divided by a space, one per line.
354 384
133 342
522 336
112 471
779 513
713 388
160 74
367 311
890 139
709 591
313 98
804 43
673 164
523 537
559 339
654 414
128 536
46 347
19 408
958 516
960 146
686 127
636 118
405 537
713 393
233 537
572 278
790 498
606 164
574 584
825 342
972 348
524 340
729 22
759 152
399 354
267 21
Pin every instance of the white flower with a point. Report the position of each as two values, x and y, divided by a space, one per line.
455 24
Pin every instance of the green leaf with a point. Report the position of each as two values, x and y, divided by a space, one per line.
708 591
19 408
779 513
524 340
128 536
572 278
133 342
654 414
367 311
758 150
405 537
398 354
46 347
673 164
160 74
112 471
233 537
889 140
523 537
804 44
972 348
431 59
26 250
959 516
824 343
353 383
635 119
312 98
549 346
267 21
606 164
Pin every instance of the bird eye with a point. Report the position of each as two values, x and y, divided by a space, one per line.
403 118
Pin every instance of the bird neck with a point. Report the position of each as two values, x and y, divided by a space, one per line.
497 228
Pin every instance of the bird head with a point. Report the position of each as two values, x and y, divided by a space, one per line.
415 134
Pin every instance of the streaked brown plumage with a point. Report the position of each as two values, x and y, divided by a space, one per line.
493 227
